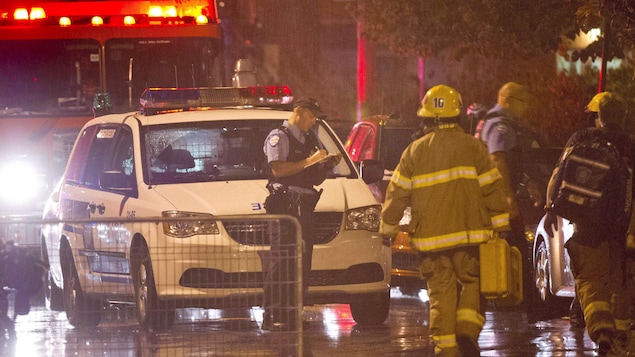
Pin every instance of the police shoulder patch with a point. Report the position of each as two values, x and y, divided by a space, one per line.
274 139
502 128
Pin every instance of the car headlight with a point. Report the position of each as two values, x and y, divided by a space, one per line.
363 218
190 226
20 181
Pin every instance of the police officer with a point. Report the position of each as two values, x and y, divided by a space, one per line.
506 139
297 163
458 201
597 251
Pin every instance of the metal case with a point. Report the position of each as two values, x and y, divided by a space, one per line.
501 272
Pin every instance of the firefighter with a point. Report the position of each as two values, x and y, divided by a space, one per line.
458 202
597 251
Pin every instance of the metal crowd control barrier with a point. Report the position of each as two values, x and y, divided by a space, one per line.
209 286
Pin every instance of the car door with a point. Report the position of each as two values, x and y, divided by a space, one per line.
100 248
360 143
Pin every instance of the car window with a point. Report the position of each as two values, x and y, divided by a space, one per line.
393 142
97 157
215 150
329 143
123 157
102 148
77 161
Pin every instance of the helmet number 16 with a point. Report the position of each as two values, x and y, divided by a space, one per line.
439 102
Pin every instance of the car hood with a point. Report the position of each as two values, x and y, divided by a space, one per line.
248 197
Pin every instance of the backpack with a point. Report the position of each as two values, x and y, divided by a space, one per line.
593 185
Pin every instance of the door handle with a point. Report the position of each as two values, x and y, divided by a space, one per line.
92 207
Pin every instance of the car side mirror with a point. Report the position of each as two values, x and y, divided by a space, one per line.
114 180
371 171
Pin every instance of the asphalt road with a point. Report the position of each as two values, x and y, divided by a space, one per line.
332 332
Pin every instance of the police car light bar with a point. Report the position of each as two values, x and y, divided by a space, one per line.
162 100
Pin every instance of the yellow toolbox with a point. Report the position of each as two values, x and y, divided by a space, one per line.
501 272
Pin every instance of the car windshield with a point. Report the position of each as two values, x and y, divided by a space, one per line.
218 151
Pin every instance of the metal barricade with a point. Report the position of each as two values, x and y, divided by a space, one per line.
158 286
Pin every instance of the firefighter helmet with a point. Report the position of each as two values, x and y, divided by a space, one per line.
441 101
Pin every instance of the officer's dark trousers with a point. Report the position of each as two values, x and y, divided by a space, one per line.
279 267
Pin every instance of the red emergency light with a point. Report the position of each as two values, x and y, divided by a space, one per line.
34 13
157 12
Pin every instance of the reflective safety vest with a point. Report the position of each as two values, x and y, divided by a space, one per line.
453 188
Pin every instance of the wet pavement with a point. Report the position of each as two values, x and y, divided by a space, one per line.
332 332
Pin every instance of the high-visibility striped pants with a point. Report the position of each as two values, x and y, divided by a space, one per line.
600 284
455 300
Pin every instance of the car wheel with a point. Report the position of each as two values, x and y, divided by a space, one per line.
81 311
372 310
152 313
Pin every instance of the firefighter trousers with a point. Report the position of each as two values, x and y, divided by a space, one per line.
600 285
455 300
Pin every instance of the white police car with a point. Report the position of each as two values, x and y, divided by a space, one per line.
171 161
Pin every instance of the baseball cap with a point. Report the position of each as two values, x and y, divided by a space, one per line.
594 103
310 104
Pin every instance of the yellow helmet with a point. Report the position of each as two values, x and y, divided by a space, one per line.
441 102
594 104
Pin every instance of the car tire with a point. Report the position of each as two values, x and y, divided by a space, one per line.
81 311
152 313
371 310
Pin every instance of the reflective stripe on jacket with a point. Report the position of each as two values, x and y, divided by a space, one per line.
454 189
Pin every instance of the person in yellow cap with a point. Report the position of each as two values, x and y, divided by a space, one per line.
597 251
457 201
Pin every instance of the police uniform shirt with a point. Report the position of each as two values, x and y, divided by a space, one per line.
498 133
276 146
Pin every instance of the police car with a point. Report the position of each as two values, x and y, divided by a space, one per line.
198 153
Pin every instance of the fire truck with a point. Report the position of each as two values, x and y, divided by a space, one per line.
64 62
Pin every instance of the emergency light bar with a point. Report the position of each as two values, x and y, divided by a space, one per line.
154 12
163 100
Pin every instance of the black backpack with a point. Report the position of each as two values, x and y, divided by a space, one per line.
593 185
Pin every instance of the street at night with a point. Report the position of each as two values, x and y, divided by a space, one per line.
172 169
332 332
